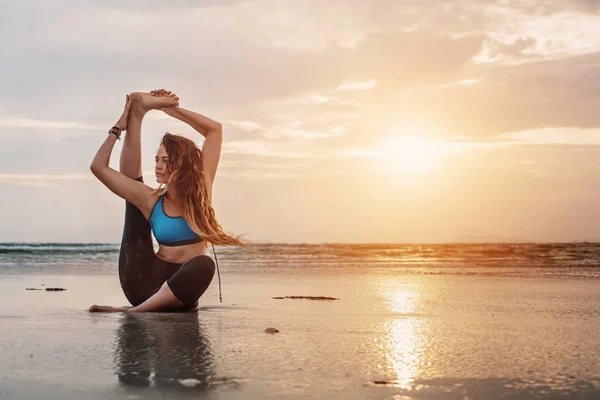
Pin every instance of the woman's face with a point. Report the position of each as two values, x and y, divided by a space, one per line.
161 165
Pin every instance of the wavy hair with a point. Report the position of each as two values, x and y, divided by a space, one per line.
187 177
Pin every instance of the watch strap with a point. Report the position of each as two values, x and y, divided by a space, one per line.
115 130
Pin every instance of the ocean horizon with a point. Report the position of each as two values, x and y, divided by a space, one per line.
520 259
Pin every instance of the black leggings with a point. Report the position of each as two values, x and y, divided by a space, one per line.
142 273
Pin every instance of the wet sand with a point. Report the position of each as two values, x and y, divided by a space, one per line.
387 336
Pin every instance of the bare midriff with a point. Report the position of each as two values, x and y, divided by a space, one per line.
180 254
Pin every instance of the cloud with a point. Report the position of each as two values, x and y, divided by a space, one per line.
41 180
321 99
302 133
494 100
553 93
514 49
262 149
464 82
202 61
160 6
365 85
23 123
249 126
555 136
585 6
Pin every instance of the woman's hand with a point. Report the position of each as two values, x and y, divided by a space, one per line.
122 122
172 97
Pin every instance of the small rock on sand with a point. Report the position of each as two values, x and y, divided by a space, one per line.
271 330
385 383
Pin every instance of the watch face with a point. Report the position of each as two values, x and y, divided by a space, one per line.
116 130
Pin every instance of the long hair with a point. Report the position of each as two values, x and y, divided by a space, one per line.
187 177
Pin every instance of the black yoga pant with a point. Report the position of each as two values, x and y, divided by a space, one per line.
142 273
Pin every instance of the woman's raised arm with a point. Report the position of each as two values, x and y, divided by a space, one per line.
129 189
210 129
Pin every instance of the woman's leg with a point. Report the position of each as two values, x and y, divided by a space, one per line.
181 291
136 256
131 154
142 274
130 163
163 300
140 271
183 288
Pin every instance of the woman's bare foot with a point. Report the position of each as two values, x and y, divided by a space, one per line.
164 93
96 308
145 102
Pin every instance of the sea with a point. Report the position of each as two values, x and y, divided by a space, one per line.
573 260
310 321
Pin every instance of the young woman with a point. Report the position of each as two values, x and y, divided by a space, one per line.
178 212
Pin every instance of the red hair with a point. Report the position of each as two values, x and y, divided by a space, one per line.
186 175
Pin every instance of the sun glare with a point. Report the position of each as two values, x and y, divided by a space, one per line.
413 153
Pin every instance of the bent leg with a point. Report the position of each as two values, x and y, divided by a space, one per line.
156 285
163 300
144 281
183 289
192 279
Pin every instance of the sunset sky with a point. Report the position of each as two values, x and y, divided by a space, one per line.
344 121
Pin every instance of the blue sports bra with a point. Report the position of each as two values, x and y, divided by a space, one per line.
171 231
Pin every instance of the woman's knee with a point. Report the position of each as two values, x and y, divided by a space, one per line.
198 268
192 279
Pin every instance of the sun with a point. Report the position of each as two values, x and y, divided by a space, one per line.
411 153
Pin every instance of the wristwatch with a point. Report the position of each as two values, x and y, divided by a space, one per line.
116 131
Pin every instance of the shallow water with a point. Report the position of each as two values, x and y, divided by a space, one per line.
422 336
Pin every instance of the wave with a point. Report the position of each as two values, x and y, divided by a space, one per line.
57 248
501 254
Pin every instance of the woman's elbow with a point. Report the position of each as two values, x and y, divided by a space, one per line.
218 128
95 168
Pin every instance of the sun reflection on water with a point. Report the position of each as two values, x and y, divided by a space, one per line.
403 336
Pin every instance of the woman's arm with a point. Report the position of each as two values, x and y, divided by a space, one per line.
204 125
213 137
210 129
129 189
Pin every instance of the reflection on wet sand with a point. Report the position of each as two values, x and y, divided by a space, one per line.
430 355
403 336
168 351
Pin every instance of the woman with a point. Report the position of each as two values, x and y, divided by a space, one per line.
179 212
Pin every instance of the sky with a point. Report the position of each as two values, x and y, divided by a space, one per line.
347 121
